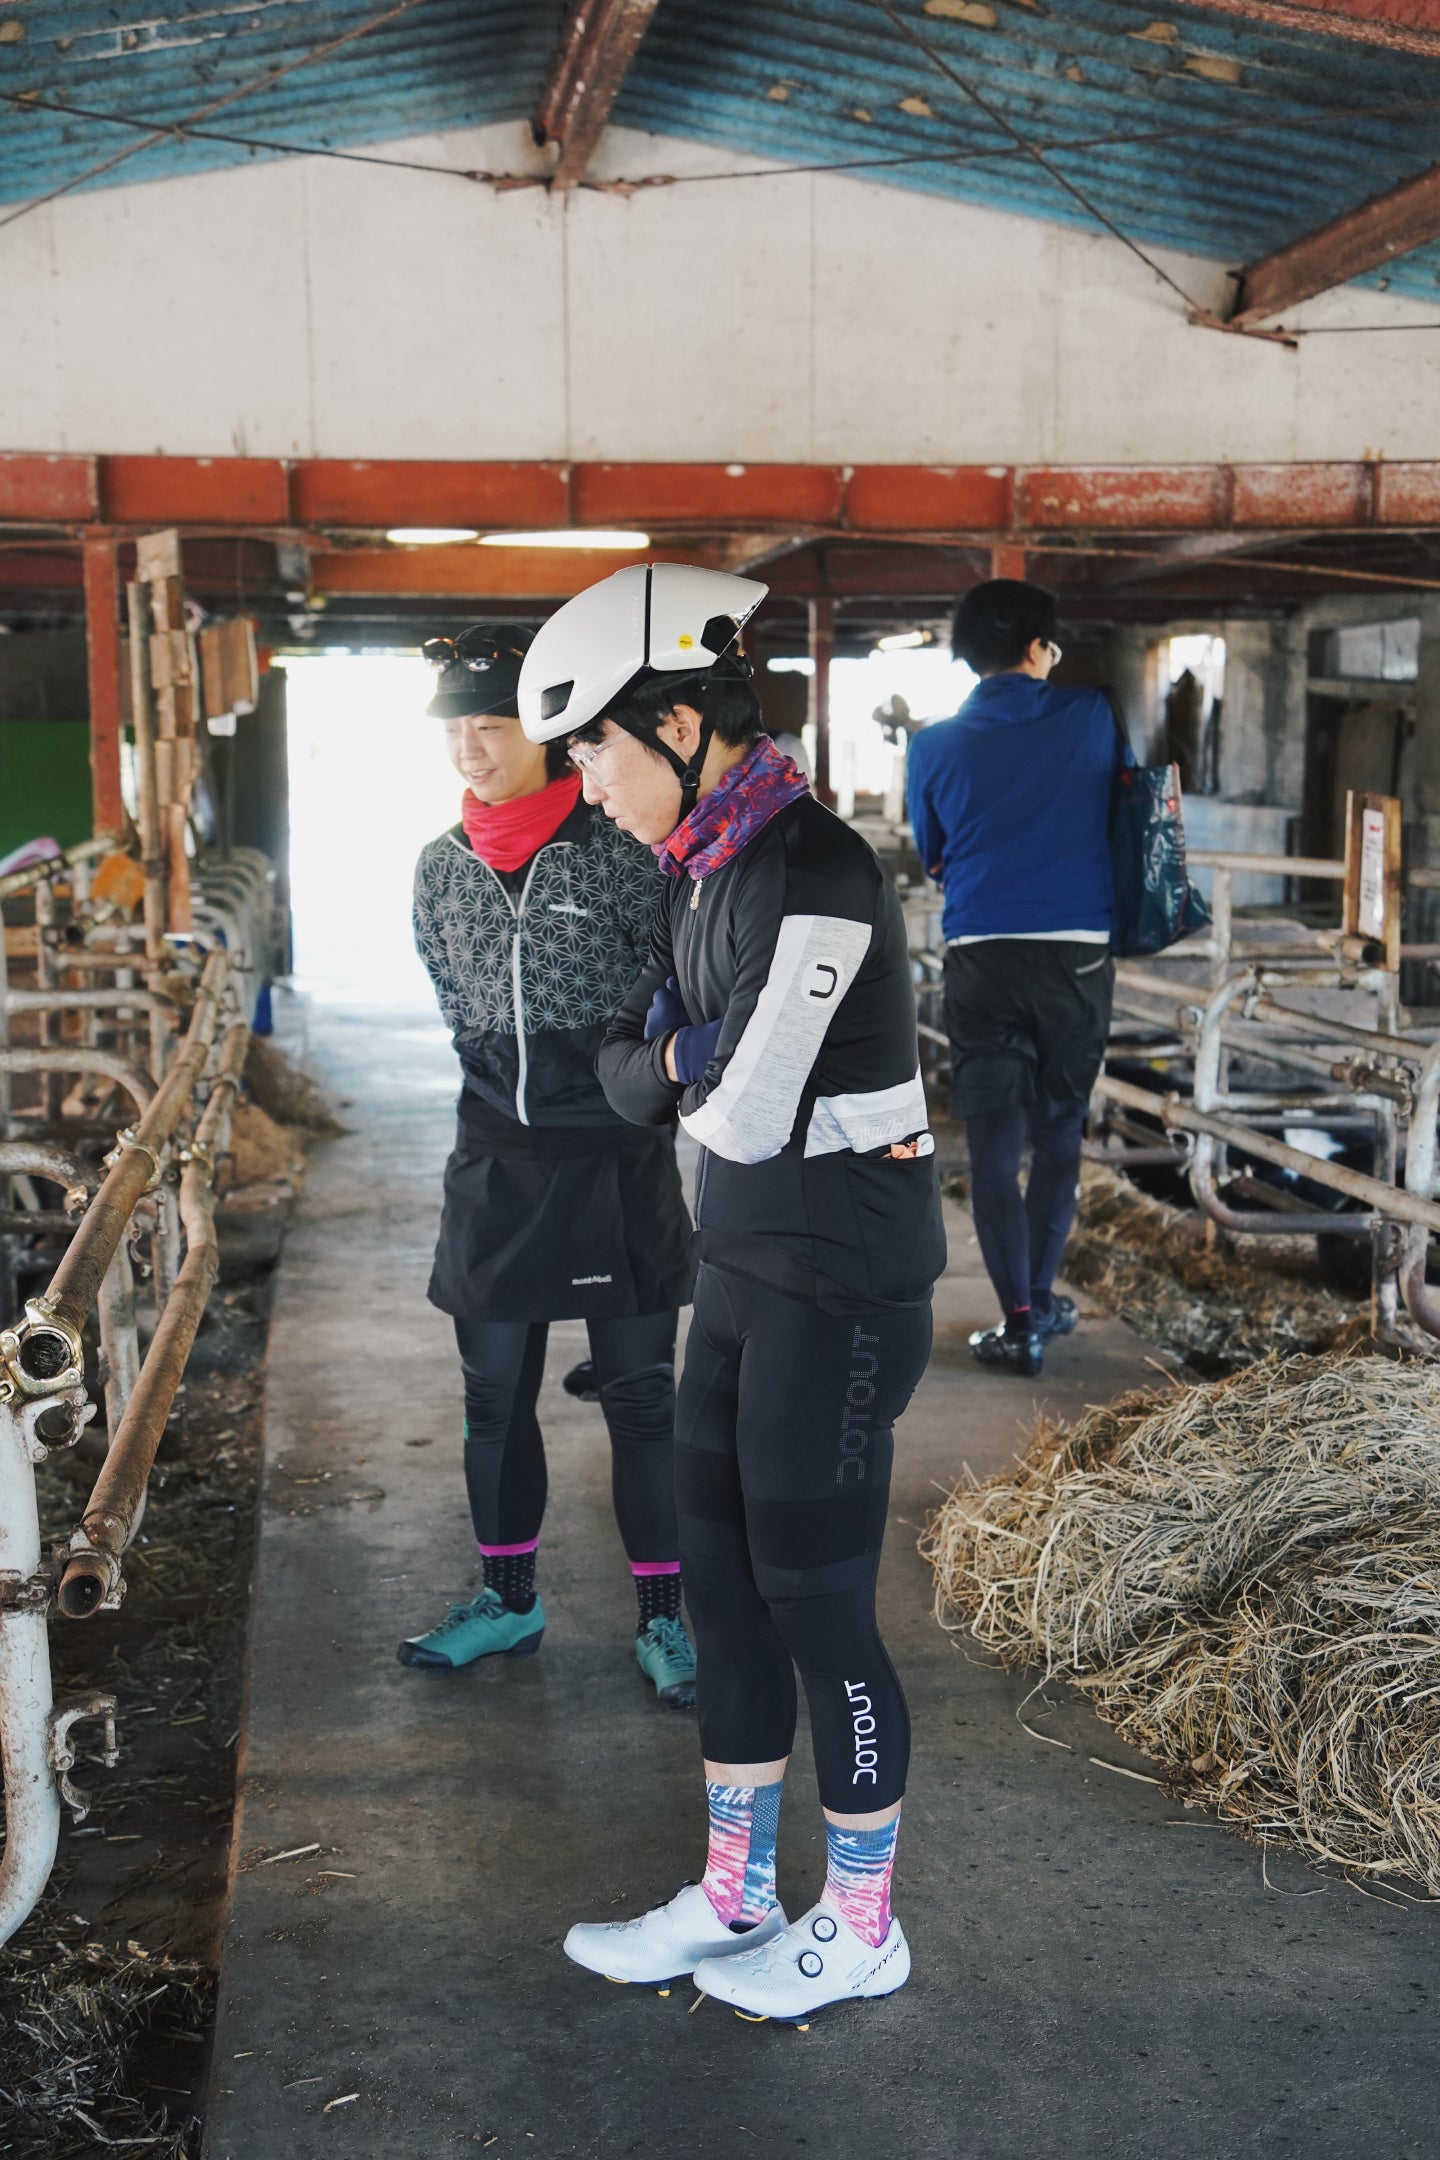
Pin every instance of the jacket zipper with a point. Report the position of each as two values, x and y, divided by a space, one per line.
522 1055
517 909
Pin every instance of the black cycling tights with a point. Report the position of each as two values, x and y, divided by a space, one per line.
783 1444
634 1360
1022 1239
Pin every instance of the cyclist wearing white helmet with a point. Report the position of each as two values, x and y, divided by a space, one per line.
776 1015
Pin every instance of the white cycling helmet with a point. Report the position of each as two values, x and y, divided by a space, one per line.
651 619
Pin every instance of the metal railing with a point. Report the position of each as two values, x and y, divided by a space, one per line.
158 1180
1368 1076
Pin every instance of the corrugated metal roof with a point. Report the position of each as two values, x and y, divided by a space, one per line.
442 64
1254 136
1196 131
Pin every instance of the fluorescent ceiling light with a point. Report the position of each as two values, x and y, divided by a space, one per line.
430 535
588 537
902 641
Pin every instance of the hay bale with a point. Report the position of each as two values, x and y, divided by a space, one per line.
260 1150
1245 1580
286 1093
1219 1304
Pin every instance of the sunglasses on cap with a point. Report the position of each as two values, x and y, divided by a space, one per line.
475 649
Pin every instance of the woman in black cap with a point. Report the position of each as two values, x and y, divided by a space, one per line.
533 917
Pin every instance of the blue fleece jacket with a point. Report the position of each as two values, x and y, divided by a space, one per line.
1010 808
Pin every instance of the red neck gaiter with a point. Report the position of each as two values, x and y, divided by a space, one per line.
507 834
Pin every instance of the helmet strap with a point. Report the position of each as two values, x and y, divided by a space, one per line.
688 772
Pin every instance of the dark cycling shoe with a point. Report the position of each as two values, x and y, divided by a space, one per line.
1019 1350
1059 1318
580 1382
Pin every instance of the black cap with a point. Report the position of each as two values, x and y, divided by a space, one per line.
479 671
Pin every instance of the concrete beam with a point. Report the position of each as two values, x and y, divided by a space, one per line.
1405 218
1399 25
592 56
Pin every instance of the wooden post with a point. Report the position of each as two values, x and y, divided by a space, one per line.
147 801
822 644
102 641
174 677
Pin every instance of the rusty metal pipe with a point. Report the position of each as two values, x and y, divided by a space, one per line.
88 1000
42 1159
1390 1200
79 1058
76 1282
1202 1182
38 873
1421 1302
93 1569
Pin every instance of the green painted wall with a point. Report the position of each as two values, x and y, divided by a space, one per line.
44 781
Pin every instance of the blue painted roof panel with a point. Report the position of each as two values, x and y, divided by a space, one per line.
1190 130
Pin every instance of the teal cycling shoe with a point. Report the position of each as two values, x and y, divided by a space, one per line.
484 1628
666 1656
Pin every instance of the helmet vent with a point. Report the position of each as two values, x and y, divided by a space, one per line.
555 699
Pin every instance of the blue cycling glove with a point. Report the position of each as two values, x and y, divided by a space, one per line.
692 1049
667 1011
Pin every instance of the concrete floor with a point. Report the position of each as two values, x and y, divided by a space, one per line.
1095 1971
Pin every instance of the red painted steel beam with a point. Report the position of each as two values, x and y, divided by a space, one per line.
1405 218
1401 25
46 490
372 495
102 650
592 57
733 496
993 505
160 491
480 573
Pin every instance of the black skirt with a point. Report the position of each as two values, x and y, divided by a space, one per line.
560 1223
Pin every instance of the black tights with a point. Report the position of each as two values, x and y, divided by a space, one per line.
784 1440
503 1363
1022 1238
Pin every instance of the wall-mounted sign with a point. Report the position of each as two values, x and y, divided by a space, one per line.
1372 872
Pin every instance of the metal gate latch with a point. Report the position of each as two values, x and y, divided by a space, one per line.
62 1752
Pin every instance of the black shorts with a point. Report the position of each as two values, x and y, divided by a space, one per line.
1028 1020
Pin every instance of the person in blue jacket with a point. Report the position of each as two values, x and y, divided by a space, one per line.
1009 804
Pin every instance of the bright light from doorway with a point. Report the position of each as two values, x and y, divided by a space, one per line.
369 785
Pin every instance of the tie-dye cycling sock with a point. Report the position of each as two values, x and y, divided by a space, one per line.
857 1880
739 1877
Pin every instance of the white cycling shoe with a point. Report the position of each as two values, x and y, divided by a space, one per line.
816 1961
666 1943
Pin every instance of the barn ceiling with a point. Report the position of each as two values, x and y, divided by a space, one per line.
1228 130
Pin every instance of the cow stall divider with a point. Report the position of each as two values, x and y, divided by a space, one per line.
1312 1072
159 1178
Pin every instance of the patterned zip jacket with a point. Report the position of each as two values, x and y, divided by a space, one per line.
530 969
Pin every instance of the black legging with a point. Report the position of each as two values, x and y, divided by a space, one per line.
784 1437
1023 1238
634 1360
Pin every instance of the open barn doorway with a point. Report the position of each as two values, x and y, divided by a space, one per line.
370 784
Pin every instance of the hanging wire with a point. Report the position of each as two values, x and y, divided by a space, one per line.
160 130
993 113
271 76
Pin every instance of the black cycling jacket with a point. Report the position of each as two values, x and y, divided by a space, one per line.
528 969
798 943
